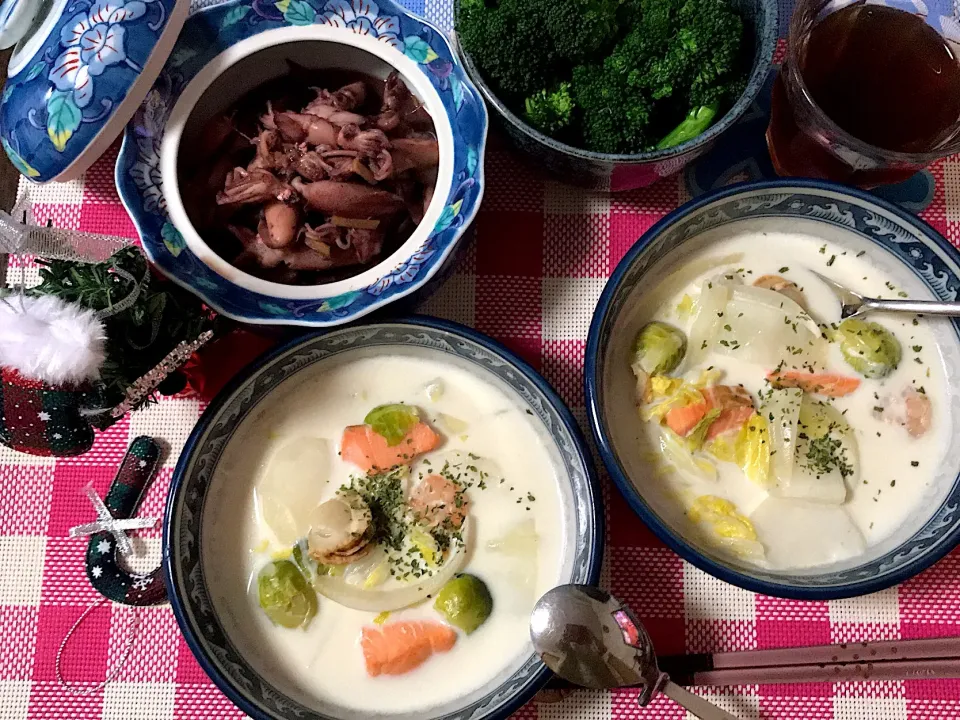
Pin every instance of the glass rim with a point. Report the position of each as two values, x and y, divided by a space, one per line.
921 158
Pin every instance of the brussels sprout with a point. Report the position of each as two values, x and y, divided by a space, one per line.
392 422
659 348
285 595
869 348
464 602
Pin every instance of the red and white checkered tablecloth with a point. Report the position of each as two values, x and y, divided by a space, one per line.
539 262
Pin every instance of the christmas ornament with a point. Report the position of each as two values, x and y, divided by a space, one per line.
144 386
107 523
39 419
121 503
145 318
107 577
132 631
130 331
45 338
23 238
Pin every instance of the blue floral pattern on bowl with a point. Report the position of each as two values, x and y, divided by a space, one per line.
912 243
425 337
206 35
54 107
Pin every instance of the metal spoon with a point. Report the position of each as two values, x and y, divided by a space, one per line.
590 638
854 305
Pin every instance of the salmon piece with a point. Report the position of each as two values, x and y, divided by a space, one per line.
735 405
919 413
684 419
911 410
399 647
369 450
437 499
829 384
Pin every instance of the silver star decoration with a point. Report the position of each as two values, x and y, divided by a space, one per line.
107 523
103 547
43 416
142 463
96 571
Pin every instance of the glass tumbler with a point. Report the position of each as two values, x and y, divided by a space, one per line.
805 141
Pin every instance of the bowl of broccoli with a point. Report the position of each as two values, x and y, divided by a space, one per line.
615 94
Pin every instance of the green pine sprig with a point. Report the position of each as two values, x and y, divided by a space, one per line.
139 337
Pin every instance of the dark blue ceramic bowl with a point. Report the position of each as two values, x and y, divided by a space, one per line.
858 220
606 171
183 535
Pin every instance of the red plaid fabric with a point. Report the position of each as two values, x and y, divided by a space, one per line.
540 260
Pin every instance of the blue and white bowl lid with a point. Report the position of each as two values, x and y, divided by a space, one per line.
77 77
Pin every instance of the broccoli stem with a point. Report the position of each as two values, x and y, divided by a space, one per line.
697 120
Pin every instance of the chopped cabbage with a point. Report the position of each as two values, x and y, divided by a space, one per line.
694 440
720 524
723 447
782 410
753 449
684 394
688 466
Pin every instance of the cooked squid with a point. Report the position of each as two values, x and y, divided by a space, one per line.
310 184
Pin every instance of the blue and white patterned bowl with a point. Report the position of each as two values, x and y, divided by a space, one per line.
183 533
244 44
77 77
910 251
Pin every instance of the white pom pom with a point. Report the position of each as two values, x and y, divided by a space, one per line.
45 338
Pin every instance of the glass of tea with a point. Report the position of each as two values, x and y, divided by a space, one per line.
868 94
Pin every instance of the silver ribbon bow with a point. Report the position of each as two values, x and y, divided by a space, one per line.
107 523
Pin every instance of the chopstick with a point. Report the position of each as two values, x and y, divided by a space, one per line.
920 659
881 660
932 669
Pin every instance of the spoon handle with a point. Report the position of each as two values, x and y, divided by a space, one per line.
694 703
925 307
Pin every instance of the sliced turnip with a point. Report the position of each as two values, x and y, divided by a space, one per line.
709 309
799 534
765 327
292 486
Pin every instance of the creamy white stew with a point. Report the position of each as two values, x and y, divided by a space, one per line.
782 436
383 528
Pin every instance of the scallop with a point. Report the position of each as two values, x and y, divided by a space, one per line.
340 529
783 286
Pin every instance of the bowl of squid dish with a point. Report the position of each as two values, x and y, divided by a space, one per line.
305 169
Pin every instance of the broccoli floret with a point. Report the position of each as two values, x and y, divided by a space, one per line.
507 44
615 118
624 92
580 30
701 61
550 112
